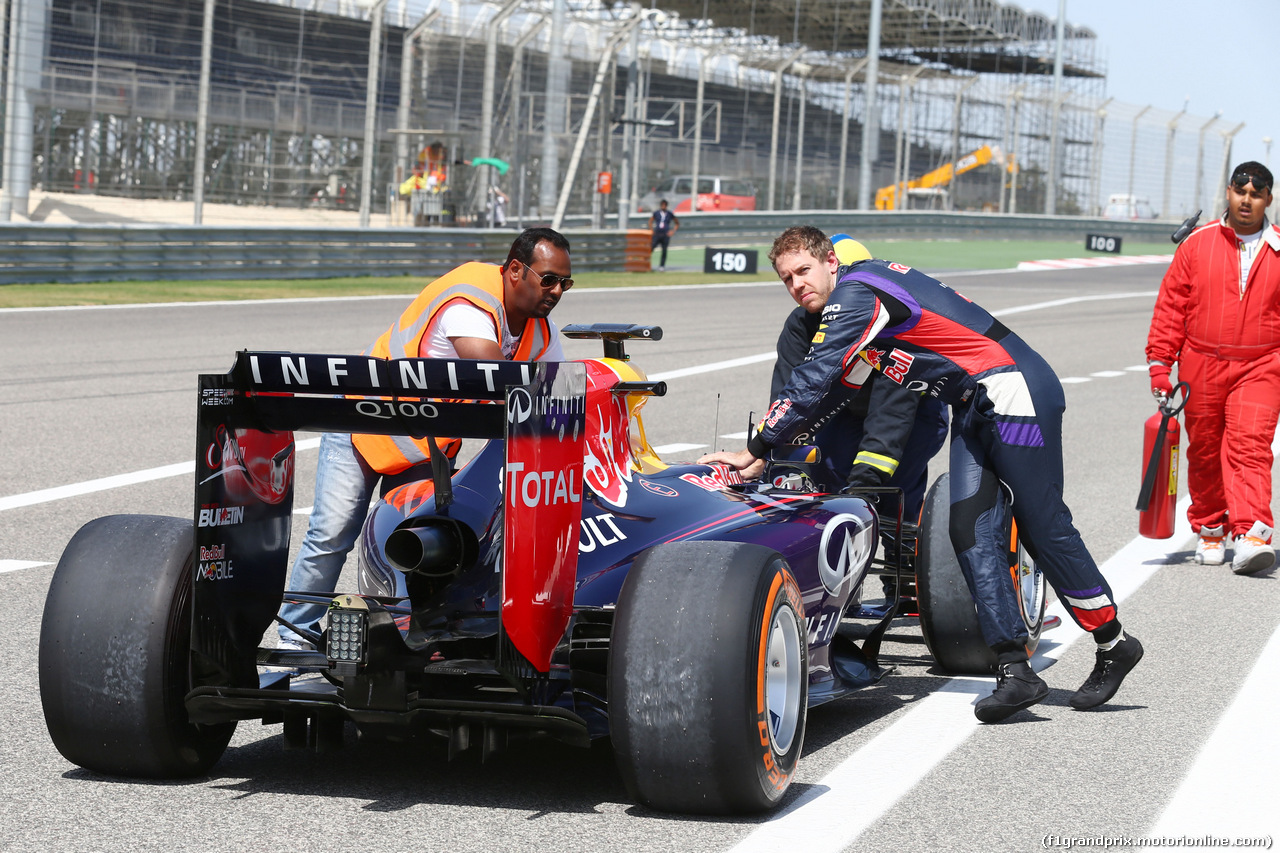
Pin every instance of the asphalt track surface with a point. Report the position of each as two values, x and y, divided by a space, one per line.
1187 750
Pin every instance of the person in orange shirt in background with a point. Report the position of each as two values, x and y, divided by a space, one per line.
1218 318
478 311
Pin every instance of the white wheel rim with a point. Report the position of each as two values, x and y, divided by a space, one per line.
782 679
1030 588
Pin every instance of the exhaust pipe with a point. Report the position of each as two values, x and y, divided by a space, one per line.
432 547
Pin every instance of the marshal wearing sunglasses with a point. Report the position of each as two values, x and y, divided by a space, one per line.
1217 318
479 311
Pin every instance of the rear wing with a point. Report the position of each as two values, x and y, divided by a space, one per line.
245 469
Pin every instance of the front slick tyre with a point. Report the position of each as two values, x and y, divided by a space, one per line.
115 652
708 678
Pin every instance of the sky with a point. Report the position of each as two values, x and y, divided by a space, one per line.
1221 54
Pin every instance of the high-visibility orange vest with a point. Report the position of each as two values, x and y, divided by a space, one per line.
477 283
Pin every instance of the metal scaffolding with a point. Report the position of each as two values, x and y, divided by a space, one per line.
788 96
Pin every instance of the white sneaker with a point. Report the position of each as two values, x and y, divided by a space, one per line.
1253 551
1211 550
291 645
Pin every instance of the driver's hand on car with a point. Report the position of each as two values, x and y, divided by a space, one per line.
748 466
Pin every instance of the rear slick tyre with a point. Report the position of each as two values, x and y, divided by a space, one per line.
948 617
708 678
115 652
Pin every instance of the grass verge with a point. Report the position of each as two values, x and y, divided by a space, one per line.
684 266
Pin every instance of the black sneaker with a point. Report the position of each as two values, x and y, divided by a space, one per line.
1017 687
1108 673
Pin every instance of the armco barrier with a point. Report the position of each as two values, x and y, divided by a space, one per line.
83 253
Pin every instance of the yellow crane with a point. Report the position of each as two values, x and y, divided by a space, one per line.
887 197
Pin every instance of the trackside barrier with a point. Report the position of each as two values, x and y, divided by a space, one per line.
84 253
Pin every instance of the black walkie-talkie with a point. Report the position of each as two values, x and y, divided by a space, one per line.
1187 226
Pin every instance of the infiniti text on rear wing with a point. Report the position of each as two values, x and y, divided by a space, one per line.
245 467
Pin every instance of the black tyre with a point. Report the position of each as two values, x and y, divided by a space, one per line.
708 678
115 650
948 617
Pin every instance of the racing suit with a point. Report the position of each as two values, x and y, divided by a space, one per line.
894 431
1006 429
1225 338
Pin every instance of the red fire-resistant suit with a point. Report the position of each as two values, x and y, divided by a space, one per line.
1227 346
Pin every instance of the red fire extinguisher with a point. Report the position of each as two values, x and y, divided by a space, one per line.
1160 445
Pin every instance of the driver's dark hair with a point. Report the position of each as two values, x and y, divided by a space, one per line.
799 238
522 248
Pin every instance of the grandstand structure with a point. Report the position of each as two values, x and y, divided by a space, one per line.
103 97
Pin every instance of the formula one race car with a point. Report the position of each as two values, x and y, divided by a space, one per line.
565 582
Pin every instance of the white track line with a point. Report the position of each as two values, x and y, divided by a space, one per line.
903 754
821 820
1083 263
678 447
116 481
182 468
1230 789
15 565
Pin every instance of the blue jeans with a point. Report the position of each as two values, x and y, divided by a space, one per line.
344 486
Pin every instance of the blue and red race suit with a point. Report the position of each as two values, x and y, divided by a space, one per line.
1006 428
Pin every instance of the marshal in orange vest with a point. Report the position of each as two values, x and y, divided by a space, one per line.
477 283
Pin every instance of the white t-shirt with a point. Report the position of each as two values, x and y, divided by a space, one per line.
1249 245
464 320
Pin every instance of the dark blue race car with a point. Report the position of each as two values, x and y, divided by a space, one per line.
565 582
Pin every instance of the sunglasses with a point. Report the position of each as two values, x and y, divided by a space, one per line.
548 280
1240 180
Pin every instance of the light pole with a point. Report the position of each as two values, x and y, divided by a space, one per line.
844 128
1133 158
368 155
1199 200
871 119
202 113
1168 159
1098 128
777 114
1227 137
610 48
1266 142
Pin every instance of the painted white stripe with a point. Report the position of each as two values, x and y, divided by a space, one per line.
15 565
181 468
1137 368
714 366
676 448
1071 300
116 481
1074 380
740 436
100 485
1230 789
1107 374
904 753
1081 263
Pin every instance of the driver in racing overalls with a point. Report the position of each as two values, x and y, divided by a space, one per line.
883 434
1006 444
